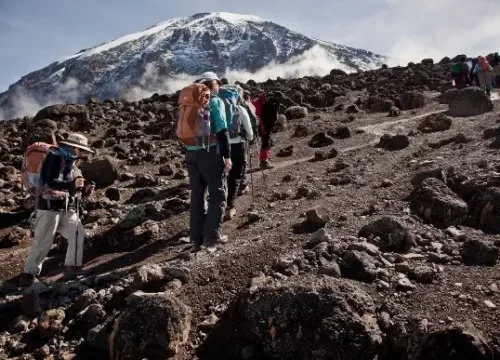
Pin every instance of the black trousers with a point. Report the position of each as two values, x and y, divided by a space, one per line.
236 174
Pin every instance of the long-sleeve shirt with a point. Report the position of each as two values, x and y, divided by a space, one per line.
247 126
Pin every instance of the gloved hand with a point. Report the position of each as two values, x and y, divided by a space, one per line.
79 184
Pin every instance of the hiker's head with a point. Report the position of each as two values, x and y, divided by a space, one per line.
246 95
463 59
77 144
211 80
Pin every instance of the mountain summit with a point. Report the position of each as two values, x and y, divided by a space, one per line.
191 45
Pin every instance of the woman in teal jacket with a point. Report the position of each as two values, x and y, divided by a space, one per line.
208 167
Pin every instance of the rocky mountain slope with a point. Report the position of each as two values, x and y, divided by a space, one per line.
375 236
192 45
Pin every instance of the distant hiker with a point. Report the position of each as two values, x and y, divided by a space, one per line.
247 104
495 64
59 185
473 78
460 73
202 129
267 111
484 71
240 131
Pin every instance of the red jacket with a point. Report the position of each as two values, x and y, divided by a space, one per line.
258 103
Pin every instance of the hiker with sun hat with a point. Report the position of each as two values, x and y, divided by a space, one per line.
59 185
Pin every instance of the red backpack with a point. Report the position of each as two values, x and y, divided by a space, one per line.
34 156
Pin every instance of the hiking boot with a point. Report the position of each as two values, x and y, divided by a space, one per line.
266 165
72 272
244 190
26 280
213 243
230 214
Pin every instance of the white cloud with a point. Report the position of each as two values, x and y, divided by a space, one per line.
21 104
411 30
315 61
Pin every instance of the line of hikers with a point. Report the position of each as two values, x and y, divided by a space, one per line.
483 72
216 123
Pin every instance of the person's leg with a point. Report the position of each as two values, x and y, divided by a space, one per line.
243 182
234 178
70 222
198 188
46 225
211 167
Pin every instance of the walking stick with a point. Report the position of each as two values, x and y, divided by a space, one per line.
78 197
251 172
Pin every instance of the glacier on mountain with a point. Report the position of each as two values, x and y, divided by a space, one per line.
157 59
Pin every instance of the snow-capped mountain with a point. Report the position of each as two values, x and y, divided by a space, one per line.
190 45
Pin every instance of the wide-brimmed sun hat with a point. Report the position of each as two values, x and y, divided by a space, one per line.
78 141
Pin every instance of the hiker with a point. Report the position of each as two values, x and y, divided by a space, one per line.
61 183
473 78
250 109
484 70
495 64
240 132
460 73
202 129
267 112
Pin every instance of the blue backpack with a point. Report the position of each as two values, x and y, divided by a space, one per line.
229 94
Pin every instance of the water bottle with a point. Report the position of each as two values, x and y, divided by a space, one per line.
205 126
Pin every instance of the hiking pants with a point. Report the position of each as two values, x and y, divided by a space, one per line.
47 224
265 149
205 169
236 173
485 81
244 181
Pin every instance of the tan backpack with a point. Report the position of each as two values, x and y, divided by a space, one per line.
193 126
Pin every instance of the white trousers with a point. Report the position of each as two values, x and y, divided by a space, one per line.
47 224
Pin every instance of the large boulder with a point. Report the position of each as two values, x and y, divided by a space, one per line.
393 234
377 104
479 252
435 123
448 95
462 342
394 142
436 204
57 112
411 100
485 210
103 171
296 112
156 327
470 101
43 130
358 265
319 319
321 139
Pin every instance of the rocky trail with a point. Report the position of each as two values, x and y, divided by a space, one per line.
374 237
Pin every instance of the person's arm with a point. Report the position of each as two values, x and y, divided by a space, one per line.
51 168
219 124
247 125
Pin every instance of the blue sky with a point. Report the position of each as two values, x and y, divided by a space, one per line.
34 33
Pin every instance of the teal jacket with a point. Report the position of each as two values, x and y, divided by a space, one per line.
217 118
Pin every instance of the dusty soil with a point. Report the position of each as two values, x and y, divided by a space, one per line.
217 277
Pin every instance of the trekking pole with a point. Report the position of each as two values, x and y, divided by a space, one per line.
78 197
251 172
